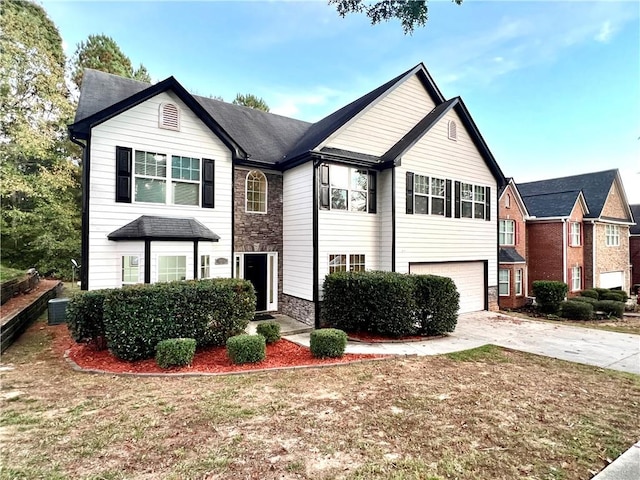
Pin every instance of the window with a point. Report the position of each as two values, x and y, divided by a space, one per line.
130 269
503 282
452 130
507 232
205 266
256 192
437 196
151 179
576 279
518 282
349 189
172 268
429 191
612 235
574 234
169 117
421 190
346 263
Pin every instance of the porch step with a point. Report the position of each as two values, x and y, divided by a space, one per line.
288 325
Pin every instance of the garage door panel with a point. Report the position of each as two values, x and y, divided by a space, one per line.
611 280
468 276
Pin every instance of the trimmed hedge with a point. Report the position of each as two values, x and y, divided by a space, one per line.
610 307
269 330
246 348
590 300
85 316
549 294
175 352
437 304
137 317
576 310
590 294
615 295
328 343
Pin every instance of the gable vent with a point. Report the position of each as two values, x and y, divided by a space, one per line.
452 130
169 116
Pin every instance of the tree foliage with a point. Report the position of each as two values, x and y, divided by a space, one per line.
251 101
101 52
411 13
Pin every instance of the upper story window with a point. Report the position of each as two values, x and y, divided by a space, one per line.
347 189
256 192
472 200
452 130
507 232
612 235
169 116
153 174
575 235
429 195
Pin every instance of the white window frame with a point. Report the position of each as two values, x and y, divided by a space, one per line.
473 193
502 282
137 265
575 234
612 235
436 195
205 266
253 178
421 188
346 262
576 278
504 233
158 272
349 187
518 282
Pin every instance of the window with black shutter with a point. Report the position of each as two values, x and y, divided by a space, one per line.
123 174
409 195
208 178
324 187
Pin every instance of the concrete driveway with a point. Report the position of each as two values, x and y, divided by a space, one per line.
618 351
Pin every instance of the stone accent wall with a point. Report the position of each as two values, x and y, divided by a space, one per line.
612 259
298 308
259 232
614 206
493 299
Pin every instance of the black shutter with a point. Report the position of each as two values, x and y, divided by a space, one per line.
123 174
447 195
410 193
324 187
487 196
372 193
457 200
208 180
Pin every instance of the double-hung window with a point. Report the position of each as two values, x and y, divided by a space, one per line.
438 190
153 173
429 195
612 235
346 263
472 201
507 232
421 190
205 266
504 282
349 189
576 279
130 269
518 282
574 234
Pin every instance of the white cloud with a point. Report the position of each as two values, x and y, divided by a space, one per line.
605 33
310 106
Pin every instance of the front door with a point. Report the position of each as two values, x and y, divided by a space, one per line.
255 270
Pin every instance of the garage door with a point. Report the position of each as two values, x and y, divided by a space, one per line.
468 277
611 280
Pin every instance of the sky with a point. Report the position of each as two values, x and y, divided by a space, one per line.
554 87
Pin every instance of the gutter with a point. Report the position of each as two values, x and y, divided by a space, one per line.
84 235
315 236
564 251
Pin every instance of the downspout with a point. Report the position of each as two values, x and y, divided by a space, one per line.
232 260
316 269
594 243
393 218
84 229
564 251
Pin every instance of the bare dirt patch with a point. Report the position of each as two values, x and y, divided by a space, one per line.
494 413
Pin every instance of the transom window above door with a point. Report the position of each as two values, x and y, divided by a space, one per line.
256 192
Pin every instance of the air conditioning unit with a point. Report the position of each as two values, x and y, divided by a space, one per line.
57 311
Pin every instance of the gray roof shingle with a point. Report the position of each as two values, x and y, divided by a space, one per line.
509 255
163 228
635 210
545 205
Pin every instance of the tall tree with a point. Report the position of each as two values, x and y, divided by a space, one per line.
101 52
252 101
40 180
411 13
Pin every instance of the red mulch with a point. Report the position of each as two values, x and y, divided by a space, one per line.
376 338
283 353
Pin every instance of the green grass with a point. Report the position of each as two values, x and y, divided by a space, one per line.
8 273
485 353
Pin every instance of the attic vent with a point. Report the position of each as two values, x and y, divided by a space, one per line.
452 130
169 116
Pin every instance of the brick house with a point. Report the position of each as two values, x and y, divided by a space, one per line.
634 247
178 186
578 230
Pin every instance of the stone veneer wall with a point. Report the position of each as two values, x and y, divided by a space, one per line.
493 299
298 308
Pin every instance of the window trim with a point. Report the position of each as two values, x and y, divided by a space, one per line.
612 235
169 256
205 265
263 178
518 281
139 264
505 233
501 282
349 262
575 277
575 238
473 201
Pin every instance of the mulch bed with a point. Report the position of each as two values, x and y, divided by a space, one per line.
283 353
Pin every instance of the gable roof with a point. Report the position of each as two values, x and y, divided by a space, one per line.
519 200
148 227
595 186
635 210
553 205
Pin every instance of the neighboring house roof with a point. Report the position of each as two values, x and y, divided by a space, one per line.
149 227
554 205
594 186
635 210
509 255
514 188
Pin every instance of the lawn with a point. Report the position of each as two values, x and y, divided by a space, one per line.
484 414
8 273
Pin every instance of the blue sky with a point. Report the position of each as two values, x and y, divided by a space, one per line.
553 86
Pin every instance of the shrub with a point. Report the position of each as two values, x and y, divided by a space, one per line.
175 352
600 291
137 317
589 300
328 343
437 304
589 293
246 348
85 317
549 294
615 295
269 330
576 310
610 307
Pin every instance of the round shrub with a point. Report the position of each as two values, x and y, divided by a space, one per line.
269 330
437 304
85 317
590 300
246 349
328 343
600 291
549 294
175 352
615 295
576 310
610 308
589 293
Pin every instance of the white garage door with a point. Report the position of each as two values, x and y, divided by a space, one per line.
468 277
611 280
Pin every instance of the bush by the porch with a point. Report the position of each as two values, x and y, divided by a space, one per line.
437 304
85 317
580 298
615 295
175 352
246 348
269 330
589 293
549 294
576 310
328 343
610 308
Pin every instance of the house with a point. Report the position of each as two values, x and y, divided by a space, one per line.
178 186
634 249
512 254
578 230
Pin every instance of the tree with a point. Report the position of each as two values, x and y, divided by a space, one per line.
251 101
411 13
101 52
